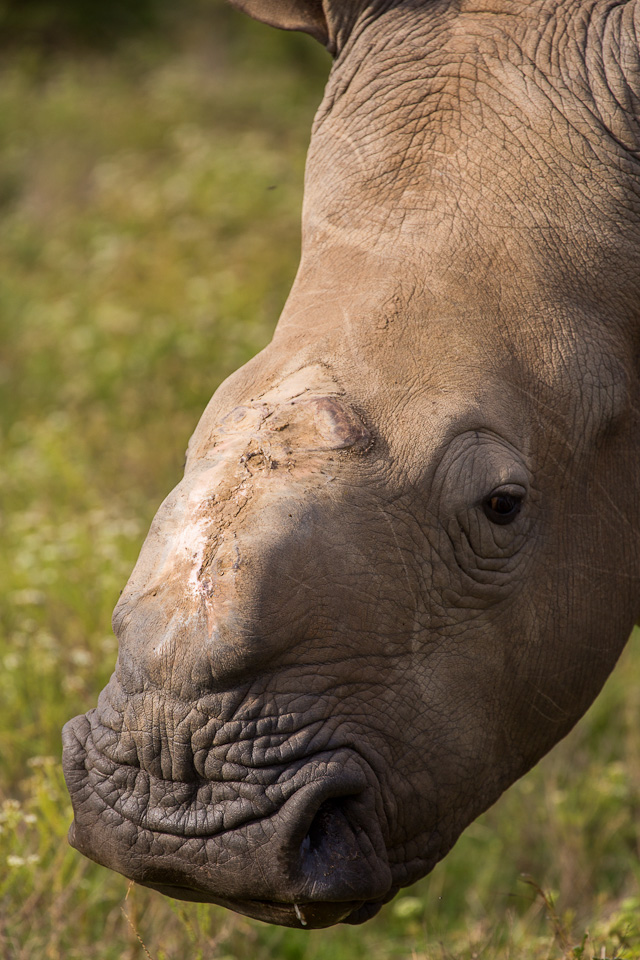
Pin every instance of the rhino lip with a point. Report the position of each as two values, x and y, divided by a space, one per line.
315 847
313 915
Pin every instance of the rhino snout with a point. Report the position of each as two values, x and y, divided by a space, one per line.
216 766
248 606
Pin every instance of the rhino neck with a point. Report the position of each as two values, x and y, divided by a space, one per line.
467 145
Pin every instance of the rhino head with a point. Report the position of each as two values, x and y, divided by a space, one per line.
404 556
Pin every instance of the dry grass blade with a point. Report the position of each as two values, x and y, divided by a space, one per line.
132 923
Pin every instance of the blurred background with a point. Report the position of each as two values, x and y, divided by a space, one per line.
151 164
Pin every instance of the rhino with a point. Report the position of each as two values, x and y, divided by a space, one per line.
404 556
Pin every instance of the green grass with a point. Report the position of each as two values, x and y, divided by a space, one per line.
149 233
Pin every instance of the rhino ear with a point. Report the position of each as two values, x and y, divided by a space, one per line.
310 16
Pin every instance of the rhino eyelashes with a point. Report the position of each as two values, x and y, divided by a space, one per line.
502 507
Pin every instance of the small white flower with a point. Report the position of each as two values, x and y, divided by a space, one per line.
80 657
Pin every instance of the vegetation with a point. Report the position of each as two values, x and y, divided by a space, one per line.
55 23
150 206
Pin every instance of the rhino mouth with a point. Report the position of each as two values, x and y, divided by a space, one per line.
298 843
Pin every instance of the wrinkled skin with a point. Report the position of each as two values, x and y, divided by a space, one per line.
404 555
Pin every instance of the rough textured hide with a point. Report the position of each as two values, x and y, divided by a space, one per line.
404 556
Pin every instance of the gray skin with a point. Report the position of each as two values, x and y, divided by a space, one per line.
404 556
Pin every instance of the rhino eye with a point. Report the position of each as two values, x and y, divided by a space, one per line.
502 507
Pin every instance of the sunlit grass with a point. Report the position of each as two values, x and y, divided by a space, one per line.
150 209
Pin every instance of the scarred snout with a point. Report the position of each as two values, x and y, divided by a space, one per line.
230 576
215 767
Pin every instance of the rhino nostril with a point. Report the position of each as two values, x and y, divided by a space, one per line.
331 837
342 856
322 826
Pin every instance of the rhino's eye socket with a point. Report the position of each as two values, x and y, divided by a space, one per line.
502 507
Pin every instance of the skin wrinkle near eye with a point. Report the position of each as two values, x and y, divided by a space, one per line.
462 452
476 565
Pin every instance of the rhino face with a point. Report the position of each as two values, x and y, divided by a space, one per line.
404 555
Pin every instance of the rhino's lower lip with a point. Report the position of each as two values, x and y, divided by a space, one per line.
308 914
